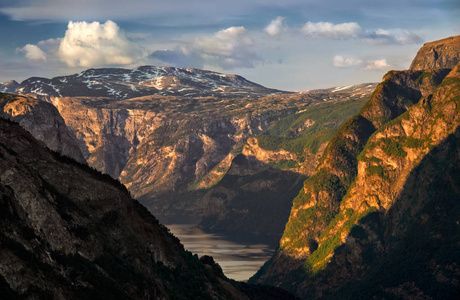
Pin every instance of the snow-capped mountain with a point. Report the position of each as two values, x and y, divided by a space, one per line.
120 84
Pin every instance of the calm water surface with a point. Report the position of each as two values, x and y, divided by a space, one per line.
238 261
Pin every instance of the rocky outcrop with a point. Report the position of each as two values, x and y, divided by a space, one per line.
444 54
252 148
43 121
70 232
375 186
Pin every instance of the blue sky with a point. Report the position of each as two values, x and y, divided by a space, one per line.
291 44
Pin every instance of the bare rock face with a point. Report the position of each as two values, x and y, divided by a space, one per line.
43 121
70 232
443 54
358 225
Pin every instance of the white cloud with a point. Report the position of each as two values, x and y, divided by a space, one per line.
342 62
392 36
33 52
332 31
276 27
229 48
353 30
366 65
377 65
95 44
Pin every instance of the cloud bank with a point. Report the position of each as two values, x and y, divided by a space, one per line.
345 31
377 65
332 31
342 62
228 49
392 36
367 65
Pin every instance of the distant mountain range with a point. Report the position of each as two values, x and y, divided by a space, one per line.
117 83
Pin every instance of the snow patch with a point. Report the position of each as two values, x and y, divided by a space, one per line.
341 88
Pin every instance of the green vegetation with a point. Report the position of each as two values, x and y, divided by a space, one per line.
416 143
301 199
341 145
425 74
318 259
300 227
450 81
324 181
238 150
377 170
284 164
309 129
370 159
371 102
392 147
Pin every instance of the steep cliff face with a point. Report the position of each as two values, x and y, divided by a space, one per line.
254 198
360 208
444 53
43 121
177 156
107 136
70 232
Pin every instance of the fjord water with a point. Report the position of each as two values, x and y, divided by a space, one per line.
238 261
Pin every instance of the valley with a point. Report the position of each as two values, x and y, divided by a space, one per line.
172 151
345 193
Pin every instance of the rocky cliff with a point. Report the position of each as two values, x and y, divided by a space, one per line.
377 219
254 198
164 144
43 121
444 53
71 232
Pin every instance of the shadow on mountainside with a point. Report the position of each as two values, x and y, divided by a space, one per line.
411 250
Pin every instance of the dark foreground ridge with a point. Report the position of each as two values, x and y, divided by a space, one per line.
70 232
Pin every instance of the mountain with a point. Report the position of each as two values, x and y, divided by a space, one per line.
438 54
43 121
71 232
165 146
9 86
379 217
254 198
120 84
